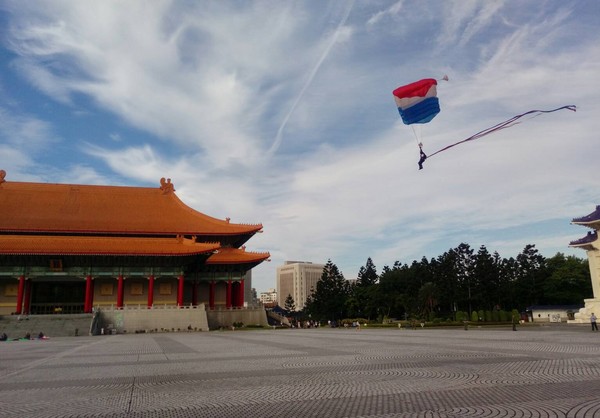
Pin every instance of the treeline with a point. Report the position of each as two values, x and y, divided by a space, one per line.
460 282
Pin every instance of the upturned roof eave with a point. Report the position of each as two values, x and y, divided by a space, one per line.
236 256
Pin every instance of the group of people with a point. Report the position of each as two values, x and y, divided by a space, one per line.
40 336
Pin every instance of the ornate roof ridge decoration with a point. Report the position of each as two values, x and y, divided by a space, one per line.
2 176
592 217
166 186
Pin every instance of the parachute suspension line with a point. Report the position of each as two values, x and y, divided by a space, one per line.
503 125
416 128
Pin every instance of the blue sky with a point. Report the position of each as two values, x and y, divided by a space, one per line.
281 113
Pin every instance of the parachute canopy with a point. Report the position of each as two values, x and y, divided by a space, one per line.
417 102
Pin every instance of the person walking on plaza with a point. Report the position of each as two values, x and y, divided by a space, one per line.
593 321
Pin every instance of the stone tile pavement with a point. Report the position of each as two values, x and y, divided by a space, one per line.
551 371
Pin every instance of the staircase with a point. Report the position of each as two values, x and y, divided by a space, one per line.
276 319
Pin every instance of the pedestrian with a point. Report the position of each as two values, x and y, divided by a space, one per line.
593 321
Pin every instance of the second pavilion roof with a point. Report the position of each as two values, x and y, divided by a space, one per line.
71 245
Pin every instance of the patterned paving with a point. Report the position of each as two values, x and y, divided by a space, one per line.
551 371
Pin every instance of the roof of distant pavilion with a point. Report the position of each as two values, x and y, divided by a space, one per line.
88 209
592 220
111 246
585 242
236 256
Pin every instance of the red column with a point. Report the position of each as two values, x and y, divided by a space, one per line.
180 291
241 294
195 293
228 295
150 291
20 290
211 296
27 297
92 295
120 291
87 305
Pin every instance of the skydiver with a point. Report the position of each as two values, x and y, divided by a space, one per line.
422 156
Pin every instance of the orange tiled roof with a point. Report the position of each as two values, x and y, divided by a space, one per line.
69 208
236 256
69 245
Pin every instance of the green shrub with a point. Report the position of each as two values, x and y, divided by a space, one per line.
502 315
481 315
474 316
515 315
495 316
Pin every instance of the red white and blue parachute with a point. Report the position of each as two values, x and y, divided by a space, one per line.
417 102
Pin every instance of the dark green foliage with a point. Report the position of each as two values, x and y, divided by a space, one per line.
367 275
495 316
459 284
290 304
329 300
481 315
567 278
362 300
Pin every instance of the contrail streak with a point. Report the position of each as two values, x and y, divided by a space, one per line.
313 73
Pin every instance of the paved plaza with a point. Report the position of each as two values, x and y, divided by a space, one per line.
549 371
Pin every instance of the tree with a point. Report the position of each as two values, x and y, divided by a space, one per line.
485 280
363 301
568 281
530 276
462 257
367 275
428 299
329 300
290 305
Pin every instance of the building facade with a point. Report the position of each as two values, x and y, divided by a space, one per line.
67 248
299 279
591 245
268 297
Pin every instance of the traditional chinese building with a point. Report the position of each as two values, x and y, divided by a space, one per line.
591 245
67 248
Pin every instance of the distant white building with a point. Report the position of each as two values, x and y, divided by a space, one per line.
269 296
299 279
552 313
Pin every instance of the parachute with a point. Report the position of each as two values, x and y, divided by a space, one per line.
418 104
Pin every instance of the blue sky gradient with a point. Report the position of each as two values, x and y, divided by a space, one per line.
282 113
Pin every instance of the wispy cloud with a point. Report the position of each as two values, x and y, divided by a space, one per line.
338 33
